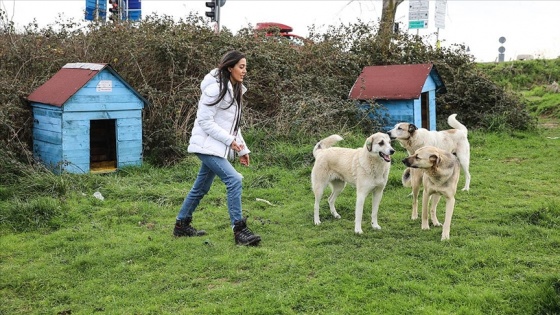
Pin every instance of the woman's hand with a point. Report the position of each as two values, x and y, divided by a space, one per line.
244 160
236 147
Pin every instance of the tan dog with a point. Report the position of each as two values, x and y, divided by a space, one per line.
453 140
440 177
367 168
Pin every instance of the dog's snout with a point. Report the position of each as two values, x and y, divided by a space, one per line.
406 162
392 151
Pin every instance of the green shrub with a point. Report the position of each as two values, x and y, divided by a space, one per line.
292 91
539 91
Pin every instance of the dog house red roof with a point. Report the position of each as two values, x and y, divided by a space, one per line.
394 82
69 80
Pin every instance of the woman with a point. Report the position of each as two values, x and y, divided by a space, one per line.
215 138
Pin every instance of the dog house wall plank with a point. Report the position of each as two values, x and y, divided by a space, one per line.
399 111
49 153
47 122
128 140
87 116
49 136
127 133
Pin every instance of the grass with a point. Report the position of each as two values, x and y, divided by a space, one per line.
547 104
64 251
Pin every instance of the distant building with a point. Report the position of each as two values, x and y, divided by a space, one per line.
525 57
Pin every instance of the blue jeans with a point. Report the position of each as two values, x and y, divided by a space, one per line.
212 166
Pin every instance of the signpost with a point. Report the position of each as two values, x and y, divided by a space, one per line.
439 18
441 6
418 12
501 49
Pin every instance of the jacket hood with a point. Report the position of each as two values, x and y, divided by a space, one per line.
210 78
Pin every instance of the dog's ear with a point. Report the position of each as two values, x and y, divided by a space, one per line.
435 159
412 128
369 144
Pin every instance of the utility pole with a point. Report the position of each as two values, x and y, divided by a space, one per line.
218 16
214 13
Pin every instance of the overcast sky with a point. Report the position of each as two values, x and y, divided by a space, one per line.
529 27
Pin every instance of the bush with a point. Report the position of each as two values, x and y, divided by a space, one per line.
292 91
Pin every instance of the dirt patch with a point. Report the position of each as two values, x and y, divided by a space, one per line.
550 125
548 122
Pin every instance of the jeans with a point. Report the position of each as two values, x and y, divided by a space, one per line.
212 166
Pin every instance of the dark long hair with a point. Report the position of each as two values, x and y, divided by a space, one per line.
229 60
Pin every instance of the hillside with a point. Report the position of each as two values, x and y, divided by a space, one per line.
536 80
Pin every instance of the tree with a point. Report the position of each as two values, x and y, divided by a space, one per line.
387 23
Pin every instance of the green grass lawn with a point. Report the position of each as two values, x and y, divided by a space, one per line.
65 252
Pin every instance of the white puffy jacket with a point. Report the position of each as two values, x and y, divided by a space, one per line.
213 130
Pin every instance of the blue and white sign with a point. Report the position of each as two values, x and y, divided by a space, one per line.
418 14
133 10
96 10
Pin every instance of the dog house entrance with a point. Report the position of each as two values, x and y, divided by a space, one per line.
425 106
103 146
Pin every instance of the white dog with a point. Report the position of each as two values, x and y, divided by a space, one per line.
367 168
454 141
440 170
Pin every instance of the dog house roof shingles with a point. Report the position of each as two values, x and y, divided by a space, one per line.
69 80
65 83
393 82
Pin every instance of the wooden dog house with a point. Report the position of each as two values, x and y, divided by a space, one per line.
87 119
407 92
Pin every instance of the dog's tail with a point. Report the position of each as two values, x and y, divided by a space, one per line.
454 123
326 143
406 178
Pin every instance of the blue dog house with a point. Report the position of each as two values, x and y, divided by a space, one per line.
407 92
87 119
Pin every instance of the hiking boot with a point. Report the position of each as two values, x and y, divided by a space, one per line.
184 228
243 235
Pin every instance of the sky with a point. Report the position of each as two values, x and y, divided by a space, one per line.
529 27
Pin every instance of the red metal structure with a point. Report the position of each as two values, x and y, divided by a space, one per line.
285 31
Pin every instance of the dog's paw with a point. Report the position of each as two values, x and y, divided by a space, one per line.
414 217
444 237
336 216
375 226
358 232
436 223
317 222
425 227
